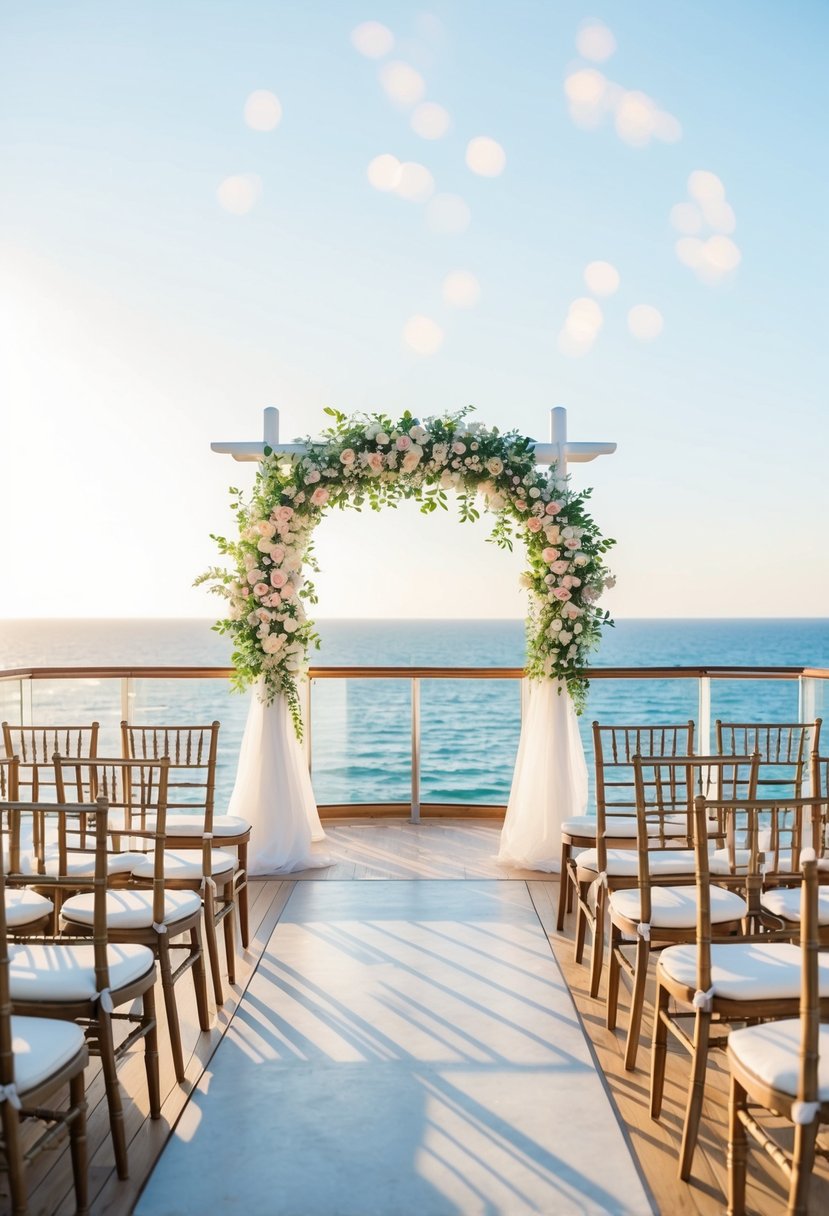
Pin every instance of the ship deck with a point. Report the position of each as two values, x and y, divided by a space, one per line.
461 854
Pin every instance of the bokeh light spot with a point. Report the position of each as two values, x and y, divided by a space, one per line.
423 335
645 322
602 278
384 172
461 289
705 186
595 41
372 39
485 156
722 254
416 182
402 83
263 110
240 194
430 121
448 214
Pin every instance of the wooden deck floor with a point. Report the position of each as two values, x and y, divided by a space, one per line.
398 850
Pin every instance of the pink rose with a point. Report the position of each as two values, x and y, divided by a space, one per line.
273 600
571 544
312 477
551 555
347 456
411 460
261 589
278 553
283 514
561 593
520 505
560 567
553 508
403 443
375 461
319 497
288 591
534 523
459 448
278 578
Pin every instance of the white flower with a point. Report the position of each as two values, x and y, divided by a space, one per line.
273 642
381 439
495 465
440 453
264 545
290 625
565 636
525 580
535 492
418 434
577 628
556 626
581 559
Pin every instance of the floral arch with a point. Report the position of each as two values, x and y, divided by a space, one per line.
375 461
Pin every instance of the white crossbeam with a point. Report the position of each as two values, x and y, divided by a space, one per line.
558 450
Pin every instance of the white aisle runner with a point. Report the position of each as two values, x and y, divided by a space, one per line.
404 1049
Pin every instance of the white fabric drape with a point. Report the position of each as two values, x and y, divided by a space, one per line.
273 792
549 784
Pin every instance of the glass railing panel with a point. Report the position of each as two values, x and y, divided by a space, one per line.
192 702
469 739
361 740
77 702
754 700
12 702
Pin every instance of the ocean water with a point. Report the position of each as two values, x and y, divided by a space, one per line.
361 729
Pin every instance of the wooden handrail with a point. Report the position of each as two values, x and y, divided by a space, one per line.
424 673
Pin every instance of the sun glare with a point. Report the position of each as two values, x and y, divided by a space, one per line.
485 156
372 39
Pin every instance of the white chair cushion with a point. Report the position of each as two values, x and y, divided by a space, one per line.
186 864
624 863
621 828
676 907
193 825
24 906
41 1048
131 909
82 865
67 973
785 903
745 971
770 1053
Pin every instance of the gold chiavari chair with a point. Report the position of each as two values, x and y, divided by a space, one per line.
614 846
783 1067
191 815
142 911
39 1058
615 797
661 908
88 979
26 910
720 981
784 748
35 746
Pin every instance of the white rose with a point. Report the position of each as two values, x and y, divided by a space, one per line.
381 439
581 559
577 628
565 636
418 434
273 643
440 452
535 492
290 625
525 580
556 626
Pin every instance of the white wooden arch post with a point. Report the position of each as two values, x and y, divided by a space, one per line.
273 786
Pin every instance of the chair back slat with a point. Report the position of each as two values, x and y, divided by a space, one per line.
614 749
36 745
784 749
193 755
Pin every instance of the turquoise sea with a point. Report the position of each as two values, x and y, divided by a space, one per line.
360 729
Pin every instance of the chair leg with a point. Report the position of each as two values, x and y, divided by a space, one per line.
113 1093
212 946
803 1160
581 927
637 1002
14 1157
659 1049
229 926
150 1021
564 883
597 956
168 991
199 977
737 1150
614 968
696 1091
244 919
77 1144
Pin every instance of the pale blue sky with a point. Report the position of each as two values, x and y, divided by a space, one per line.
141 320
